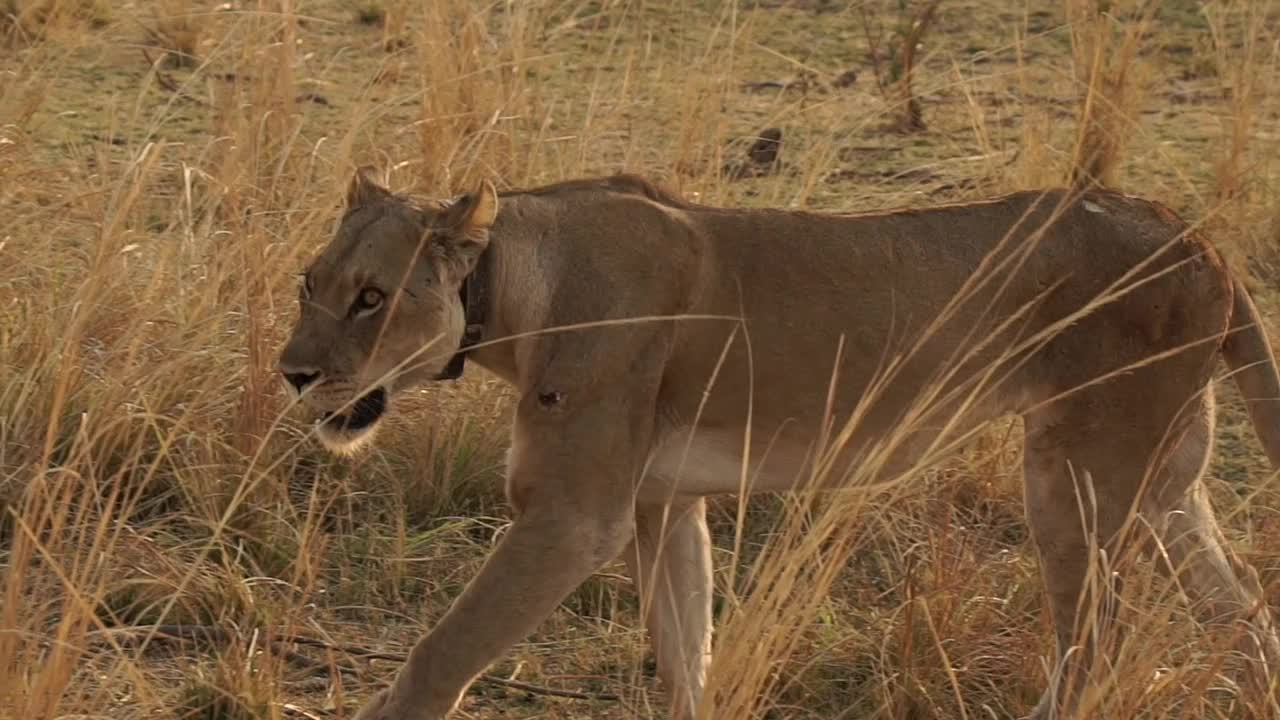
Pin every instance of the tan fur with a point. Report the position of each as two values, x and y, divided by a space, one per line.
1097 318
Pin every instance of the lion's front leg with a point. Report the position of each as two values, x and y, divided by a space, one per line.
547 552
572 481
372 708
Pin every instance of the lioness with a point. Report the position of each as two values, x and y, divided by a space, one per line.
1094 316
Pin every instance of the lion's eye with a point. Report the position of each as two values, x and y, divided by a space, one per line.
367 301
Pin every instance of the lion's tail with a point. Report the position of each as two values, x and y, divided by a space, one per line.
1253 366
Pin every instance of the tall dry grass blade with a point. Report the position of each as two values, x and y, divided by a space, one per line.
1110 77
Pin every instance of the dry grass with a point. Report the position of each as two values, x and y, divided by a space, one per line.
155 216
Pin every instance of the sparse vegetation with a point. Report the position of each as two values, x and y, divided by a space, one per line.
175 32
894 72
155 219
35 19
1109 72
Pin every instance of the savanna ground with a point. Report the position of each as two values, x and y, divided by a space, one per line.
167 167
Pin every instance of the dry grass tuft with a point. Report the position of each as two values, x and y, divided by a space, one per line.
176 31
1111 78
32 20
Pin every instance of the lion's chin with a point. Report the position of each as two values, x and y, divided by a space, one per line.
347 431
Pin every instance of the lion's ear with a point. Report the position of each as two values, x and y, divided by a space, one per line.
364 190
474 212
466 226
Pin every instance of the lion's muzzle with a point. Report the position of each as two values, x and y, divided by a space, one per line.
363 413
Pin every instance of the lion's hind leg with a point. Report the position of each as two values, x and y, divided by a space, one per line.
1083 478
1223 590
1074 507
670 562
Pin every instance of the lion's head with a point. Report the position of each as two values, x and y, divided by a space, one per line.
379 307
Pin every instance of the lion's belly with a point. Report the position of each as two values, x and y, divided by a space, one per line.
782 454
712 462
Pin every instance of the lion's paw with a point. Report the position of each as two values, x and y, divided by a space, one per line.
380 706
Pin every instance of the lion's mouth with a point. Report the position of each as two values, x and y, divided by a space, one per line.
363 413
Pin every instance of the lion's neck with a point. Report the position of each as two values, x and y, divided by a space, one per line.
515 298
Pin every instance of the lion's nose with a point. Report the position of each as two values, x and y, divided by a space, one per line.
300 378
